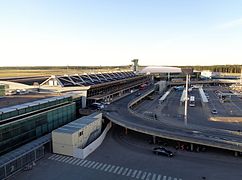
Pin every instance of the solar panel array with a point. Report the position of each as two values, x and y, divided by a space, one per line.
93 79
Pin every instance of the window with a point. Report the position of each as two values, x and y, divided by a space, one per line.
80 133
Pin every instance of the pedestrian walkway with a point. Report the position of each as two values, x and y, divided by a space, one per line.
109 168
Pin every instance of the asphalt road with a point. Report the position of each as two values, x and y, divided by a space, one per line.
130 157
118 112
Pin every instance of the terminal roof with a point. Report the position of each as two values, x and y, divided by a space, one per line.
89 79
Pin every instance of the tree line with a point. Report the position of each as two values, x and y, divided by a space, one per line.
217 68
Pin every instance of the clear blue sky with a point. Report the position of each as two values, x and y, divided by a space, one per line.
113 32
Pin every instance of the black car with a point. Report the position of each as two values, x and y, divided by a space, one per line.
138 94
162 151
96 106
214 111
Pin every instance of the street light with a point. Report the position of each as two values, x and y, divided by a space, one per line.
187 72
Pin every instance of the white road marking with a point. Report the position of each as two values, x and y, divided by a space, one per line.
91 164
88 162
99 165
83 163
111 169
158 177
138 175
61 158
134 173
143 175
154 176
72 161
125 171
116 169
94 166
103 167
120 170
129 172
79 162
67 160
53 156
107 167
148 176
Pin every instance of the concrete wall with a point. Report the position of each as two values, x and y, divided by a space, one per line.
63 149
62 138
83 153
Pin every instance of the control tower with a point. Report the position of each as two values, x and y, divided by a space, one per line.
135 65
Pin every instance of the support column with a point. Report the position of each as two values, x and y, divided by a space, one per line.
154 140
35 157
126 131
191 147
84 99
186 98
5 171
235 153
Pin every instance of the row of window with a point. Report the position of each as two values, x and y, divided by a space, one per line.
15 134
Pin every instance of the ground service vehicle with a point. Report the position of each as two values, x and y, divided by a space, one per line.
192 101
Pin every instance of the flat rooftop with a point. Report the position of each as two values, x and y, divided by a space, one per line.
78 124
13 100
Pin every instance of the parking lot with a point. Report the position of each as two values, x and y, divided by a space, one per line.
200 114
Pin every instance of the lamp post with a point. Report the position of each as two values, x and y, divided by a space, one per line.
187 72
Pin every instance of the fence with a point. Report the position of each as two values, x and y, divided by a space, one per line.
23 158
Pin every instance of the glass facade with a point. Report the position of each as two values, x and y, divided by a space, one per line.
17 110
19 132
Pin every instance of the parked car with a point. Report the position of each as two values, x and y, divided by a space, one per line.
162 151
214 111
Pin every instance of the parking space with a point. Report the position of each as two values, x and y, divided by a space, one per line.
214 114
232 107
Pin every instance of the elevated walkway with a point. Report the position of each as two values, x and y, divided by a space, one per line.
203 96
162 99
183 96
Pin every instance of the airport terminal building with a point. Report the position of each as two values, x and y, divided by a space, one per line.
27 119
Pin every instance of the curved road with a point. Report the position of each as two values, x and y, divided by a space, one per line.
119 113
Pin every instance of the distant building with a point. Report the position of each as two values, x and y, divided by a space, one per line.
167 73
2 90
209 74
